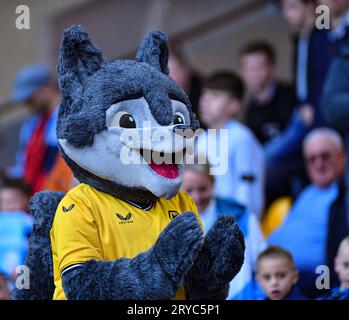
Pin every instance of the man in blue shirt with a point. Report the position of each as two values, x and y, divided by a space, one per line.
305 230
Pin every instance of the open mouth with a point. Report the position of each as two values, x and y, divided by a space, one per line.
275 293
164 164
169 171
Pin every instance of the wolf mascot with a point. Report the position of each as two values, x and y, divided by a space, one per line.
126 231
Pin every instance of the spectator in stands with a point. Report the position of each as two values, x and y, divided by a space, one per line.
342 269
198 183
339 17
4 288
232 143
342 266
38 149
314 52
270 102
313 224
277 275
15 226
285 168
309 66
335 106
14 195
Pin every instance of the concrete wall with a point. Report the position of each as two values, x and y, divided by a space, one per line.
20 47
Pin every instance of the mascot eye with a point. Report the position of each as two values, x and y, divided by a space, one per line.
178 118
123 119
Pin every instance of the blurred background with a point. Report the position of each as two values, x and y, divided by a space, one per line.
261 69
210 34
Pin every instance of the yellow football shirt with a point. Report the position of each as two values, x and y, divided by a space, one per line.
90 224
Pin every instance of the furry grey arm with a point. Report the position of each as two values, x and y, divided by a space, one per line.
42 207
154 274
219 260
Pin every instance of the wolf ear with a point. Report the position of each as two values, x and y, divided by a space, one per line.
78 59
154 51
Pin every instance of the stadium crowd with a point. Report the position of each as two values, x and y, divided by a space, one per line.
287 179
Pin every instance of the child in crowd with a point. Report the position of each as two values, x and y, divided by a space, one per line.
4 288
342 269
277 275
14 196
199 184
232 148
15 226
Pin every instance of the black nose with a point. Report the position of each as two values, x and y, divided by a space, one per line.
184 130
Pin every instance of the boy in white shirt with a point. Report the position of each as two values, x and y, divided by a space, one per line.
235 154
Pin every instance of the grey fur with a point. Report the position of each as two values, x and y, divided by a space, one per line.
154 274
154 51
220 259
39 258
84 103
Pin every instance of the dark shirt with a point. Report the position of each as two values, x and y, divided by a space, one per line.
336 294
321 52
294 294
268 120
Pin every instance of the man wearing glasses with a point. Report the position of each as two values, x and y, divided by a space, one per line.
312 226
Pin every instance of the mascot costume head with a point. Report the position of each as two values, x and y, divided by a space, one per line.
109 111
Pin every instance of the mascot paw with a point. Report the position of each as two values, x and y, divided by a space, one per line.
222 254
178 245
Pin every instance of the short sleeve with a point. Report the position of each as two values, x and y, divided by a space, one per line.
74 233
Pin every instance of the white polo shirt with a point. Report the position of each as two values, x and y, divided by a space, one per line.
243 179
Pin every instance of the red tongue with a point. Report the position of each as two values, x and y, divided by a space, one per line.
169 171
